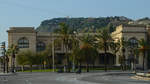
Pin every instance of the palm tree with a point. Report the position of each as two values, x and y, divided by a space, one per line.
87 51
65 36
8 53
143 47
103 38
46 55
13 50
75 48
76 56
115 47
136 53
123 44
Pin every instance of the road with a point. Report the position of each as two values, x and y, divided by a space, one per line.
113 78
40 78
70 78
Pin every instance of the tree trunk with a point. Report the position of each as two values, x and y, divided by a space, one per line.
105 57
80 65
143 60
49 64
93 65
13 65
30 68
87 67
68 64
123 62
22 68
7 65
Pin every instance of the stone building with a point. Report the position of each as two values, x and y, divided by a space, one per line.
131 34
27 38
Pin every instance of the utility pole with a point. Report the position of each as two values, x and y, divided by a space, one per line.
73 64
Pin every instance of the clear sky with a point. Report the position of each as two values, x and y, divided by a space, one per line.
32 12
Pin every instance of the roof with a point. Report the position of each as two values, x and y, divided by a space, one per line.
133 25
21 29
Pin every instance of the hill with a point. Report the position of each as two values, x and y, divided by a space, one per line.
82 24
145 21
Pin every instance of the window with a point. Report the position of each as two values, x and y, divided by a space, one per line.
40 46
133 42
23 43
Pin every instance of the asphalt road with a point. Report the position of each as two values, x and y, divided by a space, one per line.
40 78
70 78
113 78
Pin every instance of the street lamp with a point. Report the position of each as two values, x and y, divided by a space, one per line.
73 64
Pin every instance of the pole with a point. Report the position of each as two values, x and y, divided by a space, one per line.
73 65
4 64
13 60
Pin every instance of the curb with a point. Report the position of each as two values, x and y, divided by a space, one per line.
143 74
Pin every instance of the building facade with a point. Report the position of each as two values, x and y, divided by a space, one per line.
27 38
132 34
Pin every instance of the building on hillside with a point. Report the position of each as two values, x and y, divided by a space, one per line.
27 38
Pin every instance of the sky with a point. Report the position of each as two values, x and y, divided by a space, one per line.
30 13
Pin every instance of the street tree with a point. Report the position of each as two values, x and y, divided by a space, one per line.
103 38
87 51
64 33
143 47
12 51
123 45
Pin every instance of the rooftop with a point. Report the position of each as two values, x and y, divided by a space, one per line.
21 29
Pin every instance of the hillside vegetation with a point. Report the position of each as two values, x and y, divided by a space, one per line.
85 24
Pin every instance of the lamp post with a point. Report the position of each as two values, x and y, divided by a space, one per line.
73 64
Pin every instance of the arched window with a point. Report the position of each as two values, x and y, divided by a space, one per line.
133 42
40 46
23 43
